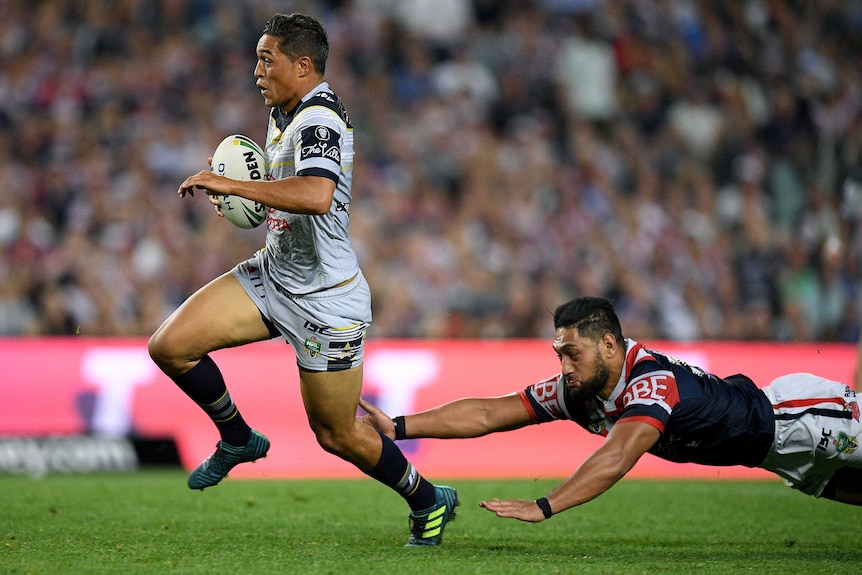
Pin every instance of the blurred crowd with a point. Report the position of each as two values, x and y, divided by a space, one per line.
700 162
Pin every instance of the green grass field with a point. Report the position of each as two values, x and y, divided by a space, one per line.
150 522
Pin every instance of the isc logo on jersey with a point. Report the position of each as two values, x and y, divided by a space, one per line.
657 387
240 158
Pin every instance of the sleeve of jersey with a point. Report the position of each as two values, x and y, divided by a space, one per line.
544 400
317 143
650 396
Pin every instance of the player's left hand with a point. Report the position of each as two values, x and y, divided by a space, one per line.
521 509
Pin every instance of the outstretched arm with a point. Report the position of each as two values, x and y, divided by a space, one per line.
468 417
625 444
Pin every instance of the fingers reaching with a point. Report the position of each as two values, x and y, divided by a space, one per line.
521 509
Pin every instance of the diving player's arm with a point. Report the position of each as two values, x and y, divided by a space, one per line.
625 444
467 417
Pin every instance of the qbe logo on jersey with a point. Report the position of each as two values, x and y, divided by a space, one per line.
657 387
547 393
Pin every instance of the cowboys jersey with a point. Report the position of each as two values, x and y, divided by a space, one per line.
308 253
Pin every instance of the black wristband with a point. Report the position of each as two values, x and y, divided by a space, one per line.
543 504
400 431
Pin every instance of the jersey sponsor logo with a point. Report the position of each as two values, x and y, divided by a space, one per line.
694 369
658 387
546 393
825 437
315 328
278 224
336 106
325 96
319 142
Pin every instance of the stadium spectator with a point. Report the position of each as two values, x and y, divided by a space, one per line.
801 427
101 121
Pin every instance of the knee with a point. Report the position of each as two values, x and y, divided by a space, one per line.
338 442
156 348
329 440
163 353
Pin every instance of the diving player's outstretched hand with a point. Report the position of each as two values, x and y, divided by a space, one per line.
521 509
377 419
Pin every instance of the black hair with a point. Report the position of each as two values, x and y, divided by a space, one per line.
300 36
593 317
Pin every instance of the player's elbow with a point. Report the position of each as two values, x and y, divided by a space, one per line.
320 193
320 206
618 470
616 464
489 418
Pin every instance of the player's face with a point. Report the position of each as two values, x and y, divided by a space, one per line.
584 369
276 75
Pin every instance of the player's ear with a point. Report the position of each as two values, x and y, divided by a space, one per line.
609 344
304 66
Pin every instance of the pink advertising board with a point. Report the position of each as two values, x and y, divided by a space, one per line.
109 387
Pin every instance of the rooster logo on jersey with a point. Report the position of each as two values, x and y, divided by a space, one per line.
853 408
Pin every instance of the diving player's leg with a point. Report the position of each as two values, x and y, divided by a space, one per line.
845 486
818 426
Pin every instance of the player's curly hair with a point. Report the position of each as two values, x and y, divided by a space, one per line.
300 35
593 317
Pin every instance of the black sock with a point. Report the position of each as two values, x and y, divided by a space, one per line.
395 471
205 385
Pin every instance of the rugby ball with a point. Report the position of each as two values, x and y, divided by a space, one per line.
240 158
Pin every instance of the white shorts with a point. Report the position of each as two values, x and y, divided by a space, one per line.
326 329
817 430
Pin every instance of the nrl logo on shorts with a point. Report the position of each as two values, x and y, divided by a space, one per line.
845 443
312 347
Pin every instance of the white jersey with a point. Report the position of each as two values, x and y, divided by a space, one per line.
309 253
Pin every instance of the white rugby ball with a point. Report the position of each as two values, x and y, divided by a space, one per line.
238 157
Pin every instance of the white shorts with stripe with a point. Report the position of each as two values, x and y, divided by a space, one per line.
817 430
326 329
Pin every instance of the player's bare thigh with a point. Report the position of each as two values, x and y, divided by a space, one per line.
218 315
331 399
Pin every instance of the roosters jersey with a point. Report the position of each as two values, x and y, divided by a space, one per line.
702 418
308 253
